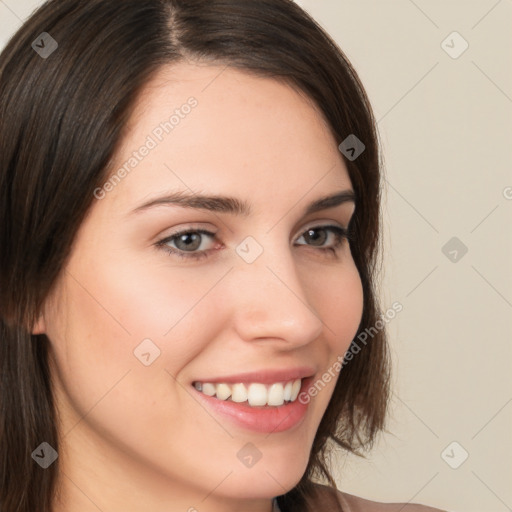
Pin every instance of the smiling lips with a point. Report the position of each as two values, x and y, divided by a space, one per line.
266 387
262 407
254 393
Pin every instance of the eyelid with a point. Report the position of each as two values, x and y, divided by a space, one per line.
321 223
341 233
315 224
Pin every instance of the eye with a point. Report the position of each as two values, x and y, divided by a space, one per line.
338 234
186 243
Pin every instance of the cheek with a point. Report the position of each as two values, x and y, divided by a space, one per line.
104 316
168 304
340 305
117 315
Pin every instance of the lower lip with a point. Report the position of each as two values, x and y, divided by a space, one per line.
267 419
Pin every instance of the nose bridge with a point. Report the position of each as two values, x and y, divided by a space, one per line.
269 298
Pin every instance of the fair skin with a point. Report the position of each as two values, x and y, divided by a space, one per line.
133 437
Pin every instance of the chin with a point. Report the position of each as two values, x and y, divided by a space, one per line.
266 480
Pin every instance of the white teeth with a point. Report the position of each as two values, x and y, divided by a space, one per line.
295 390
239 393
288 391
223 391
208 389
276 394
256 394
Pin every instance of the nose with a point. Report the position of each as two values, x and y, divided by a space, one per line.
268 300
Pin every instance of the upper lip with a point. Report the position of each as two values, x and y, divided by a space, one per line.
264 376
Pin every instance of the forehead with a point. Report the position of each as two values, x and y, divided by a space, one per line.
222 130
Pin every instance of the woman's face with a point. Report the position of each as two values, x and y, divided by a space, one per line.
137 316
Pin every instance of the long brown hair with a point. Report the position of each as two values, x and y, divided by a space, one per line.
62 116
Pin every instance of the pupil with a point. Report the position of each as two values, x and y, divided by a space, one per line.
315 238
190 243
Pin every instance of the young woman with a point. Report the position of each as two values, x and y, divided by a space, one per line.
189 197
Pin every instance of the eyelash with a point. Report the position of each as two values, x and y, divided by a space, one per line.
341 234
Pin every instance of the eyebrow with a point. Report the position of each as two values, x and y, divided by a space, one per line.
235 206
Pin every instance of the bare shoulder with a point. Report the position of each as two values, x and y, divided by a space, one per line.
351 503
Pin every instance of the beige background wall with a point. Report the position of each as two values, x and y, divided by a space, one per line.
446 129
